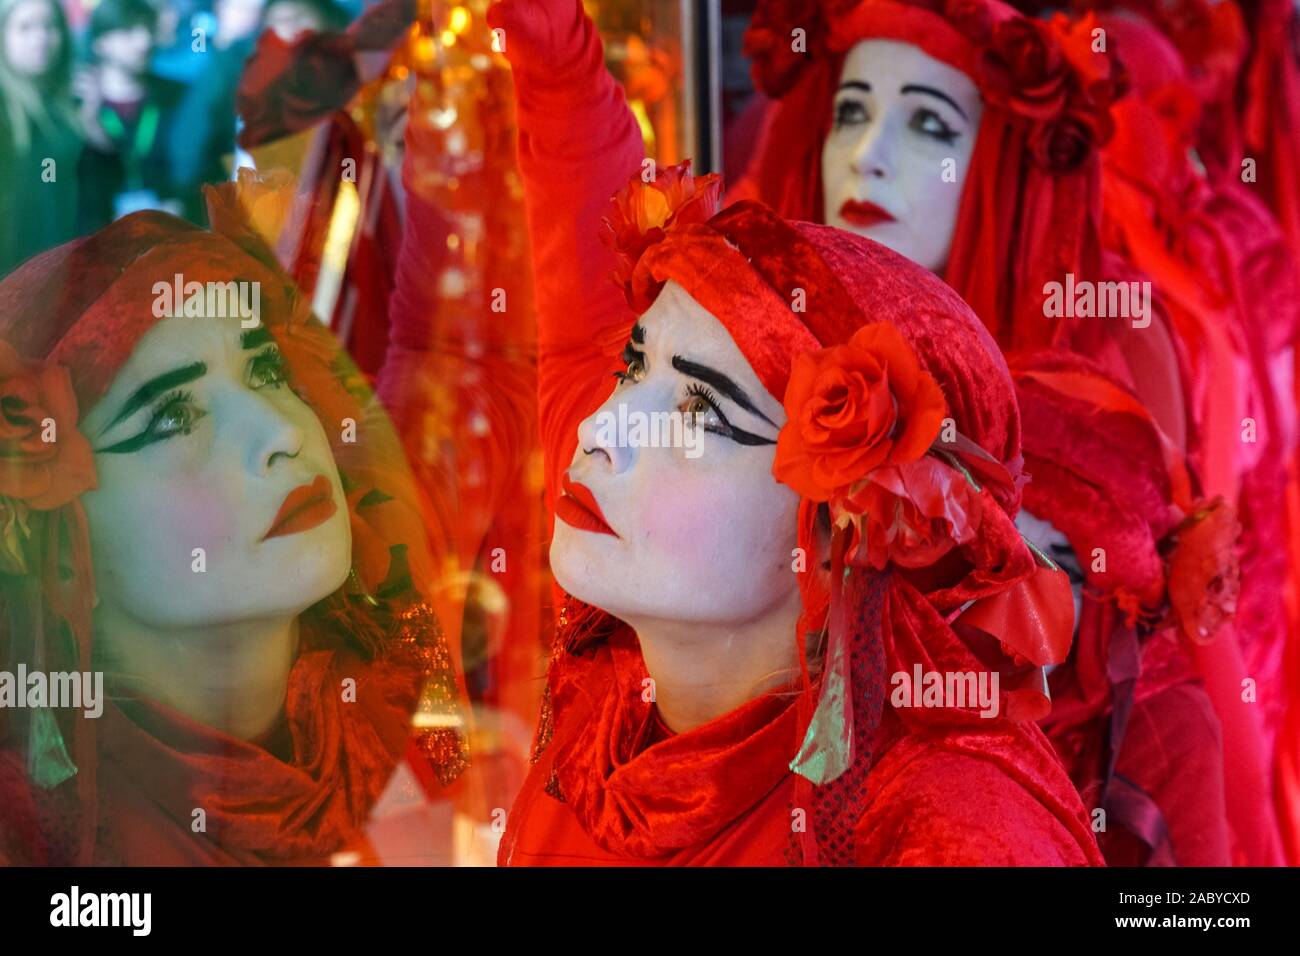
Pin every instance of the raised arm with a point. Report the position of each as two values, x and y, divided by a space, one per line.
578 144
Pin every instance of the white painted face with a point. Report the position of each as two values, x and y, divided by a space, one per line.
1053 542
895 162
198 443
700 536
32 41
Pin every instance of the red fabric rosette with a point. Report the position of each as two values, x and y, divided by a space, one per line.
641 215
39 473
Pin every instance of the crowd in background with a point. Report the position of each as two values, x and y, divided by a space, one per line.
119 105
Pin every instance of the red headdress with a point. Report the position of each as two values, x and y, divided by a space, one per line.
69 319
902 420
1028 213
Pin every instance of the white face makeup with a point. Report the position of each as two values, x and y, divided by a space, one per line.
898 115
32 42
700 539
198 444
1053 543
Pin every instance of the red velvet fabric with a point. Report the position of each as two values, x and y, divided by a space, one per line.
142 769
723 793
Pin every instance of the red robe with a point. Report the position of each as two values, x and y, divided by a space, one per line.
722 793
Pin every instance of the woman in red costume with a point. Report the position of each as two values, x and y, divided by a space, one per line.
686 724
1221 262
208 511
1154 573
966 137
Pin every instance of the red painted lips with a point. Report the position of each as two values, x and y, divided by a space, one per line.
577 507
864 214
304 508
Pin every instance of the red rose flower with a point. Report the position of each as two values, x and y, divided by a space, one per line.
852 408
42 474
1074 37
910 514
1063 144
641 213
1025 71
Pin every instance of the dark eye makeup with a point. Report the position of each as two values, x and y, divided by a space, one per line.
699 393
695 393
176 413
850 112
930 123
634 359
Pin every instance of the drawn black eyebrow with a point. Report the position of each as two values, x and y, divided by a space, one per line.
721 382
855 85
151 389
638 334
917 88
252 338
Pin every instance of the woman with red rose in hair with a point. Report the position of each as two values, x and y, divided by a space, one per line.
724 686
208 514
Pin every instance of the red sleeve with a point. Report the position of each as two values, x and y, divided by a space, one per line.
578 145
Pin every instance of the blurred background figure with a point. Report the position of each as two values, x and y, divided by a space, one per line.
203 137
129 113
40 137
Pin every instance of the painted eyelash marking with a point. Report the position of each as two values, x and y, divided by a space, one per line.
148 436
629 356
271 357
726 429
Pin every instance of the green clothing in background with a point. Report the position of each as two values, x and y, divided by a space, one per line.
38 200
